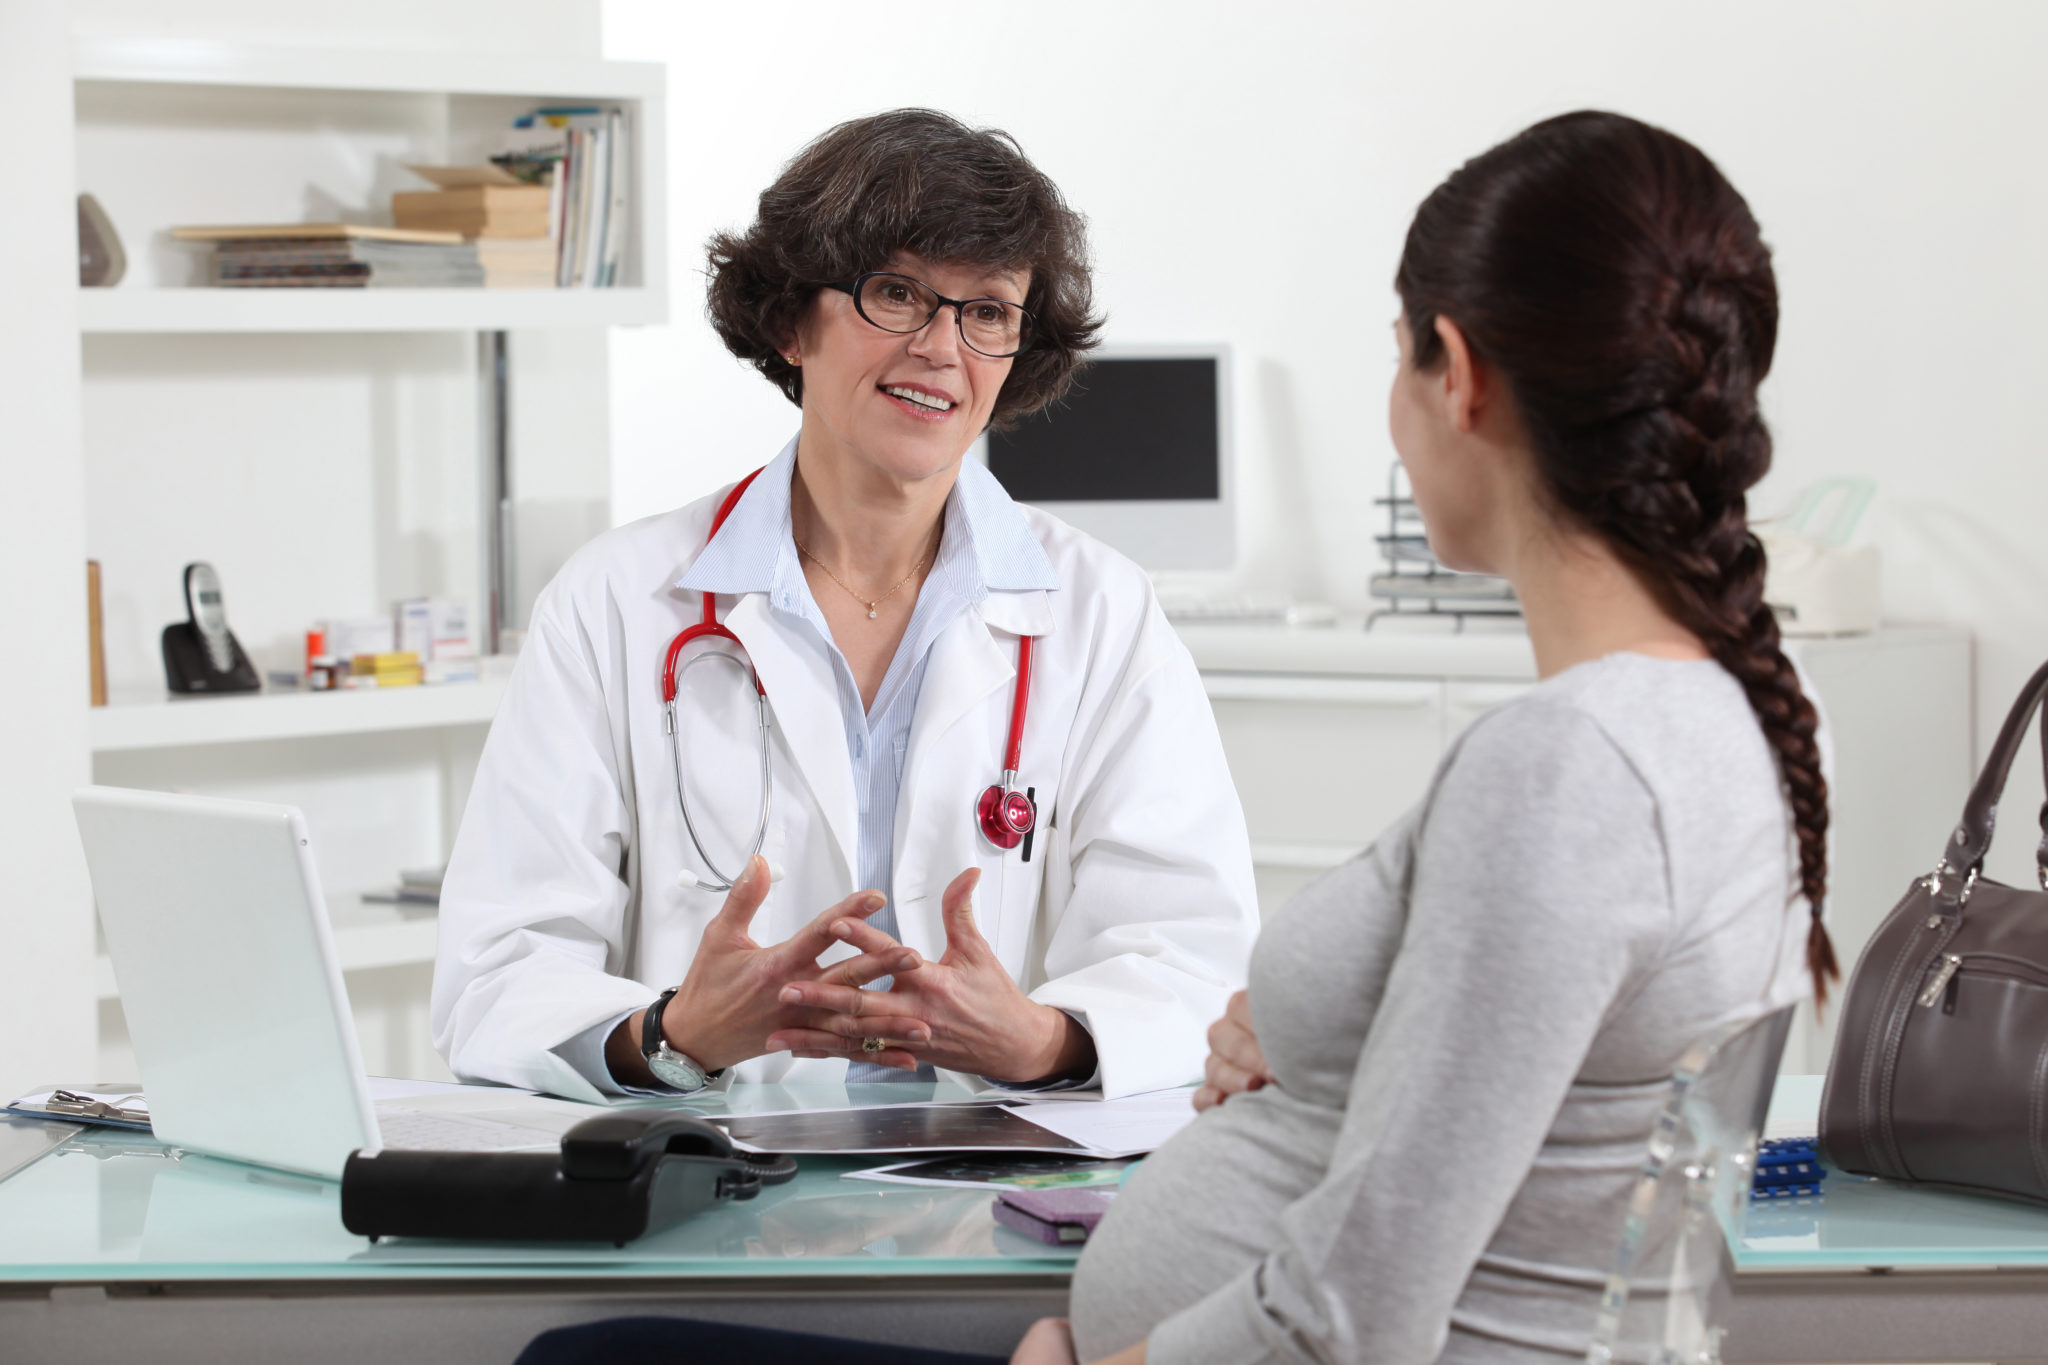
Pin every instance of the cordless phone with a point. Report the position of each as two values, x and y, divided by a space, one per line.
200 653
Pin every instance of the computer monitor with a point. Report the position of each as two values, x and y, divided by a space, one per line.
1138 454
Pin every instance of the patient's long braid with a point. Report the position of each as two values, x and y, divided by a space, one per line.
1619 282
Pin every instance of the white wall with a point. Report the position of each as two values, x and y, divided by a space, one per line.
1249 173
46 1000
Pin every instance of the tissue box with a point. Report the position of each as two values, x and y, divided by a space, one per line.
1821 589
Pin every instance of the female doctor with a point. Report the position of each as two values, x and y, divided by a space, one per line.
997 837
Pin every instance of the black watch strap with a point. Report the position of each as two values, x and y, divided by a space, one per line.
650 1024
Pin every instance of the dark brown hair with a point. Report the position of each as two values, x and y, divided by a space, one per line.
1611 274
909 180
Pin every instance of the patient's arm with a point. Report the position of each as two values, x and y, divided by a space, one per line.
1236 1063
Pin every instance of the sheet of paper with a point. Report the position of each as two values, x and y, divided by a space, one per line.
128 1100
1131 1126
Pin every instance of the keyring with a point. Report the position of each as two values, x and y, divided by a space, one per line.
872 1045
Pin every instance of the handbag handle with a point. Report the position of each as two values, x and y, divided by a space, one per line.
1964 859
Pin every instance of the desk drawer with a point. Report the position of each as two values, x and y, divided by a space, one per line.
1326 761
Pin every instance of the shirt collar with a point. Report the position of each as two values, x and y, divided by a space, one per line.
756 549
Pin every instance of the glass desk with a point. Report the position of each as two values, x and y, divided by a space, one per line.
162 1257
111 1205
111 1236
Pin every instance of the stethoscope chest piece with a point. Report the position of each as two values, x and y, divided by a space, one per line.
1005 814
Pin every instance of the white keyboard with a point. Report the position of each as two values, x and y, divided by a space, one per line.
1225 608
416 1130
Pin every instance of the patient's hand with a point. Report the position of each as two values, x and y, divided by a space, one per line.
1235 1062
1049 1342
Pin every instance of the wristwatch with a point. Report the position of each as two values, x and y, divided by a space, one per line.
678 1070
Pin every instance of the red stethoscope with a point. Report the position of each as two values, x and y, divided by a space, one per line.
1005 816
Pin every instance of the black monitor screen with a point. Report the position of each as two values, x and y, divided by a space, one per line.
1128 431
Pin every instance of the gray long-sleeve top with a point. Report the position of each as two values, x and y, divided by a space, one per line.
1471 1027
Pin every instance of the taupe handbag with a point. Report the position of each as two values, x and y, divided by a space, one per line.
1940 1072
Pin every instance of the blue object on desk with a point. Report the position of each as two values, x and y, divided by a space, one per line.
1787 1168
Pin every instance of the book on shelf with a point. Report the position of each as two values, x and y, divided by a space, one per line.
418 888
479 211
581 154
475 201
95 625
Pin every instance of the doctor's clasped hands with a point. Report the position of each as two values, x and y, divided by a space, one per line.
727 1007
962 1012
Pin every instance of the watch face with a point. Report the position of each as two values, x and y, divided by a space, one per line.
672 1068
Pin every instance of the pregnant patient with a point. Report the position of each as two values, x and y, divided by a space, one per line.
1455 1045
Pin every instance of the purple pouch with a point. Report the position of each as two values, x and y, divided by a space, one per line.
1057 1217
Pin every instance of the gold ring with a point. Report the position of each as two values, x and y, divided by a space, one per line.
872 1045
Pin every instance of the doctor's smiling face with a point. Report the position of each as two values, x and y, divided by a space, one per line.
905 405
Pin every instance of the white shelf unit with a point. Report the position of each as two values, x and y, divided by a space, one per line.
201 132
367 936
370 414
161 721
113 311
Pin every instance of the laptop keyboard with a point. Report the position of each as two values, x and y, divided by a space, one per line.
417 1130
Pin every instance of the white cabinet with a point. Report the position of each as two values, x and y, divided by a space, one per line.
1331 734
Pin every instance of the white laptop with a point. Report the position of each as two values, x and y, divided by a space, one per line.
234 999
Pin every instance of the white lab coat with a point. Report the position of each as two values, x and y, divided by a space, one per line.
567 899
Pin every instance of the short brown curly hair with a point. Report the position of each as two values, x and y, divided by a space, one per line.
908 180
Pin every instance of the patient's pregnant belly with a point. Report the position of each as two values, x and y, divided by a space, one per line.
1196 1214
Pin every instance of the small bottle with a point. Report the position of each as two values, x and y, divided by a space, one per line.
316 647
320 673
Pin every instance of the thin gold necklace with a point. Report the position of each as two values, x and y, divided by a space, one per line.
872 606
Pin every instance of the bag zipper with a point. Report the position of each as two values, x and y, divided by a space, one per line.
1950 964
1941 987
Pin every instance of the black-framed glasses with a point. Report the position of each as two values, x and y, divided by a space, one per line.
896 303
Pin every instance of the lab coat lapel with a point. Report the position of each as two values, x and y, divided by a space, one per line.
947 762
803 700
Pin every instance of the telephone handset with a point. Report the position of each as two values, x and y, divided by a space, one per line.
618 1176
200 653
618 1146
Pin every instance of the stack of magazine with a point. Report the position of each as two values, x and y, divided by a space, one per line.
417 889
337 256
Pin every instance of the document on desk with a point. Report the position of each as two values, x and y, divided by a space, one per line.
113 1107
904 1128
1131 1126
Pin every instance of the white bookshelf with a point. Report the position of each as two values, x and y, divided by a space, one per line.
112 311
161 721
330 450
189 132
391 70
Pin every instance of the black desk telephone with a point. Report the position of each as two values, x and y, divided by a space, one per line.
200 653
617 1177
